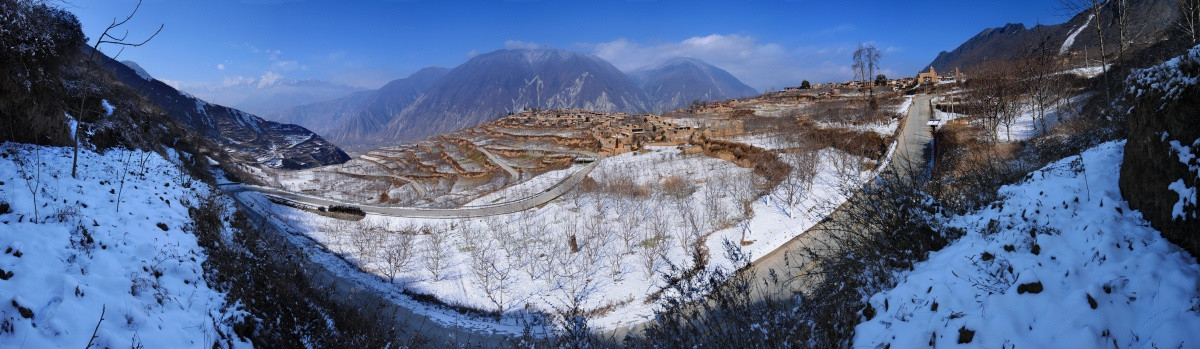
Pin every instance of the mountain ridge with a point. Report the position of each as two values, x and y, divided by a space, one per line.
678 81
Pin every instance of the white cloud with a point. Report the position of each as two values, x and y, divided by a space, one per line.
472 53
221 66
269 78
761 65
231 81
517 44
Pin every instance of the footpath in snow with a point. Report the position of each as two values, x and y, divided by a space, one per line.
1060 261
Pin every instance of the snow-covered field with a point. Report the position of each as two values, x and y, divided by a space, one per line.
625 232
1061 261
885 129
76 248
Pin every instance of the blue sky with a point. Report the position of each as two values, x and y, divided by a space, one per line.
767 44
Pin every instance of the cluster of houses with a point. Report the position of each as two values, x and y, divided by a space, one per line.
615 133
833 89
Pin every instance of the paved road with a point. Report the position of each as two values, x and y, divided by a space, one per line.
786 260
558 189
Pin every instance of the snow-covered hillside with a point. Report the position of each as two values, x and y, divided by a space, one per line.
110 244
1061 261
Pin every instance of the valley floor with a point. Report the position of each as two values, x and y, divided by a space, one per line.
626 239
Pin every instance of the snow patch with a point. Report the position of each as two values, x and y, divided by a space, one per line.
108 108
1066 46
1187 195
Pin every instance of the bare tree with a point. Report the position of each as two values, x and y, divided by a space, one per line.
575 279
630 220
126 160
804 170
595 233
33 181
1189 18
1045 87
107 37
657 237
711 197
848 169
368 242
398 252
491 277
866 64
535 249
435 253
997 91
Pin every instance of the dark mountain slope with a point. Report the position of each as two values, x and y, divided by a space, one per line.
489 86
1149 21
247 136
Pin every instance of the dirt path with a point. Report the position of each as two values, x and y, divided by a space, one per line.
512 173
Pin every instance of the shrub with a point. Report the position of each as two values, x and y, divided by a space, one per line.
352 210
287 308
36 42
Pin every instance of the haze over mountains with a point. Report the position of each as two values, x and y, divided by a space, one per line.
259 141
271 93
435 101
355 117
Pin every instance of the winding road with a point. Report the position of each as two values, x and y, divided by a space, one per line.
551 193
787 263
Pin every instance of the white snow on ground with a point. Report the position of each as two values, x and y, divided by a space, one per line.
885 129
904 106
1107 279
82 255
544 275
1066 46
1087 72
768 141
946 116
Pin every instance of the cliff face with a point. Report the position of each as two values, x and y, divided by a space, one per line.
1161 171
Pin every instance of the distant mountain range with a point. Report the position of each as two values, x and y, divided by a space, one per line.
488 86
1149 21
245 135
678 82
